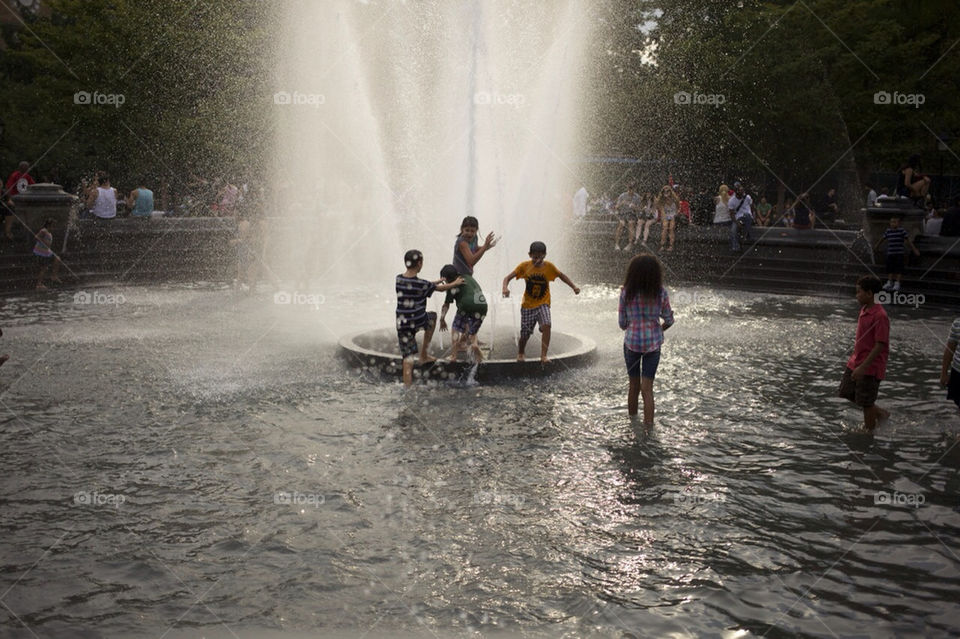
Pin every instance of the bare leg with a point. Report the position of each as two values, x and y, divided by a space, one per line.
663 233
56 271
408 371
427 336
633 394
521 347
43 273
873 414
646 229
475 348
631 230
646 390
616 236
672 225
544 342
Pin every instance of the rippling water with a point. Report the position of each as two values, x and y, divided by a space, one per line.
197 462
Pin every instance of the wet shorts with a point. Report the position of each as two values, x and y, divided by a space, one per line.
641 364
627 215
467 324
529 318
407 336
953 386
895 264
862 392
43 260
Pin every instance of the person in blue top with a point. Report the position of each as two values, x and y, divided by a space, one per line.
412 315
140 201
895 237
466 250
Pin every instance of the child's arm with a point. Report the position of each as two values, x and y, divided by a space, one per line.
566 280
948 352
911 245
471 257
443 315
865 364
506 282
443 285
876 247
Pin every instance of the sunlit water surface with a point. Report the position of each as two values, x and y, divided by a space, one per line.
147 443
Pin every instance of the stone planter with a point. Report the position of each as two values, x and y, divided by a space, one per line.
42 201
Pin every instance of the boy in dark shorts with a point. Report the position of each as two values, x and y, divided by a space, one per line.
896 237
868 364
43 254
412 315
950 371
535 307
471 309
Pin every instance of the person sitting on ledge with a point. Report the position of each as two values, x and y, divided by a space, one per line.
803 216
911 182
140 201
951 220
103 199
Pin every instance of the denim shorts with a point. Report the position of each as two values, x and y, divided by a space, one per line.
641 364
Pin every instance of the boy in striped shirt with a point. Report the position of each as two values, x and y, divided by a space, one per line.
412 315
895 237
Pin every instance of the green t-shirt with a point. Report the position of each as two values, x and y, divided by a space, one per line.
469 297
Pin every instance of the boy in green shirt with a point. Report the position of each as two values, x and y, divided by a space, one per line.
471 310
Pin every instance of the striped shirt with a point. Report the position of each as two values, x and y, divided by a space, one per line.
955 340
640 318
895 240
412 294
44 241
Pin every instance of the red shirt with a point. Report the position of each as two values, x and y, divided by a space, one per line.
873 326
18 181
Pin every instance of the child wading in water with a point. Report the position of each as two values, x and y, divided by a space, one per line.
466 252
868 364
643 304
536 297
471 309
43 252
412 315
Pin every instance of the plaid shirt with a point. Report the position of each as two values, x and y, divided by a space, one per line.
640 319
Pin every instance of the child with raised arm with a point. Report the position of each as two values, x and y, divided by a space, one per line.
867 365
471 310
535 307
644 315
950 371
467 251
412 315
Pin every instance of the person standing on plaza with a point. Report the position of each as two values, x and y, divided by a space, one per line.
668 205
628 210
740 208
580 203
17 183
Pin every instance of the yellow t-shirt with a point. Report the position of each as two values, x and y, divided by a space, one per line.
537 292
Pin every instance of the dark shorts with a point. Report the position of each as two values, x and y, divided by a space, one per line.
953 387
862 392
407 336
467 324
530 317
895 264
627 216
641 364
43 261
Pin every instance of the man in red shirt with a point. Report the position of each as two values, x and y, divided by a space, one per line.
18 182
868 364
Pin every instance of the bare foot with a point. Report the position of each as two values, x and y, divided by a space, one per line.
427 359
41 287
3 358
521 358
544 360
477 353
883 416
453 358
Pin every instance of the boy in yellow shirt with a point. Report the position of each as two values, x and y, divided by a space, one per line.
535 308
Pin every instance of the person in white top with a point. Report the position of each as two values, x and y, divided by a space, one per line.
580 203
721 214
103 199
740 206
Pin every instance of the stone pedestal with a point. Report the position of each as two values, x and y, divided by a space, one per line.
42 201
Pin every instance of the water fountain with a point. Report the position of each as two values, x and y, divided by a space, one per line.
460 109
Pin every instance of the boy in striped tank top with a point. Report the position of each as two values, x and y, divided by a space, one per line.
895 237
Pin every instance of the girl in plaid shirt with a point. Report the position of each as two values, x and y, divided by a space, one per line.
643 304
